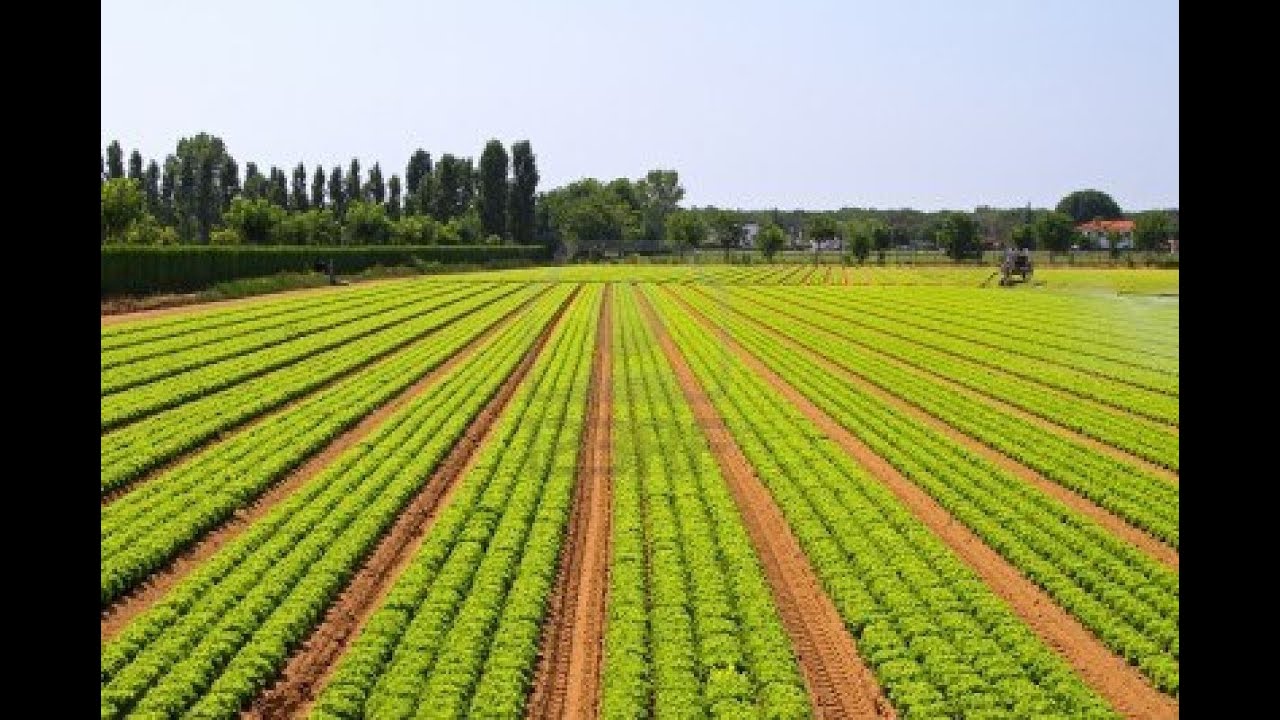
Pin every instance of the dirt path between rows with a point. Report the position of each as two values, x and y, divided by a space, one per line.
130 605
215 305
1117 453
566 682
1108 674
840 684
311 664
1113 523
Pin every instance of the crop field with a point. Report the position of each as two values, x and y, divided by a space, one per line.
647 491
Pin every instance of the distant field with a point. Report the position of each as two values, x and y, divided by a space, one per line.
648 491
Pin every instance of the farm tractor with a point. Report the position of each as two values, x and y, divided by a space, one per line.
1016 263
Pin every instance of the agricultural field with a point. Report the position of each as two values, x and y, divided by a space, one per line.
648 491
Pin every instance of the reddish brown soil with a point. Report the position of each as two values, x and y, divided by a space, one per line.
1108 674
311 664
1117 453
119 311
1114 524
122 612
840 683
573 634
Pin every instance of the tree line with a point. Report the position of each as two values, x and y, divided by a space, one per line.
199 197
591 218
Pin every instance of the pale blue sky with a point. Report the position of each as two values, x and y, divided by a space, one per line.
910 103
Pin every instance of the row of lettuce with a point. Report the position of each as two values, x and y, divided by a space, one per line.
691 626
939 641
1126 598
142 363
146 528
221 635
132 450
1140 497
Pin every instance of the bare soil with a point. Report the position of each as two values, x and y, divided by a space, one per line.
1108 674
567 678
840 683
312 662
1113 523
129 606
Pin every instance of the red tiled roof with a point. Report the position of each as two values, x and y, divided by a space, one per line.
1107 226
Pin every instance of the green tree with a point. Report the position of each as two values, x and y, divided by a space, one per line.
229 181
771 239
122 205
684 230
860 244
881 237
493 189
448 178
316 226
1023 237
375 190
317 188
660 195
278 188
416 230
415 176
146 230
521 200
337 192
393 202
255 185
204 184
354 190
168 181
151 188
728 230
366 223
1151 230
135 166
1085 205
960 235
255 221
115 161
824 228
1055 232
299 200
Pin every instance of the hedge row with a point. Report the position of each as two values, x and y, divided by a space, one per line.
146 269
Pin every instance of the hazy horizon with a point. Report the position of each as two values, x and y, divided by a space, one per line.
921 105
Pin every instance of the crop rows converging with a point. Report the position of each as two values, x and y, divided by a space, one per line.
457 636
1149 502
940 643
772 490
221 635
691 625
1129 600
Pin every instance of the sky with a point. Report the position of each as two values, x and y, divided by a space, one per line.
801 104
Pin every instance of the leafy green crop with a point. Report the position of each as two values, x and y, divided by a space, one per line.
457 635
692 628
940 642
223 633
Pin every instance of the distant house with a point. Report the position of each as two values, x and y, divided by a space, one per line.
749 232
1099 233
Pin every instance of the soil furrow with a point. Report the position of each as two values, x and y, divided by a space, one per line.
1113 523
840 684
122 612
567 679
1120 683
312 662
